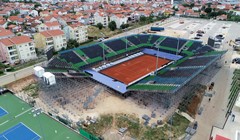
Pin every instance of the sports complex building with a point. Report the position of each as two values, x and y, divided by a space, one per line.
141 62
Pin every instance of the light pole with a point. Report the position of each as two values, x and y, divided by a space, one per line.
177 46
157 61
126 38
103 48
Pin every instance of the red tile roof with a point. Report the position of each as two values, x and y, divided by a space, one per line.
51 24
16 40
4 32
76 25
51 33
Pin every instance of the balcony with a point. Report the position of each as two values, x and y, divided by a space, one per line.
13 53
49 39
14 58
12 48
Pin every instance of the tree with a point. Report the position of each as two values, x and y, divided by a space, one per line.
72 44
36 5
123 26
208 10
191 5
100 26
112 25
143 19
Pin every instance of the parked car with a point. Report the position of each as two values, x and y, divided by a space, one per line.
196 37
236 60
200 35
220 37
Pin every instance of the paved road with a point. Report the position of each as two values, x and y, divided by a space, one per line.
13 76
215 110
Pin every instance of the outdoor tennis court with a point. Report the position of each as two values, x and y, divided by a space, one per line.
20 132
20 123
2 112
135 68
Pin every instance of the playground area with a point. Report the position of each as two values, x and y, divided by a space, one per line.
134 69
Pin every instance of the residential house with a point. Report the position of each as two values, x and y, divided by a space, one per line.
49 19
76 32
5 12
50 39
15 28
4 33
3 23
17 49
49 26
119 19
100 17
33 13
16 20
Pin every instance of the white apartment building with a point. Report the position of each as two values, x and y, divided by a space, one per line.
49 26
17 49
119 19
50 39
76 32
100 17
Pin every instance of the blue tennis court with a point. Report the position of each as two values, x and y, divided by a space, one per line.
19 132
2 112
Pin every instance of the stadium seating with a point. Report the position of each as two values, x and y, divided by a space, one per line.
77 74
134 40
203 49
195 46
166 80
116 45
197 61
154 39
173 42
180 72
143 38
70 56
56 62
93 51
59 74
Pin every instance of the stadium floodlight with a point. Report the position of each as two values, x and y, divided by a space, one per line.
177 45
126 39
103 47
157 60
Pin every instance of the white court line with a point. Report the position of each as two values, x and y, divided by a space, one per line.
5 137
3 109
12 129
4 122
23 112
31 130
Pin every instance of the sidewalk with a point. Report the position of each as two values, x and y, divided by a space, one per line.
231 127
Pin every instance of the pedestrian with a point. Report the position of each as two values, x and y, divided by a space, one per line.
209 99
233 117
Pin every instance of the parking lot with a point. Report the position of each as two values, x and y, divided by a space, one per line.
211 28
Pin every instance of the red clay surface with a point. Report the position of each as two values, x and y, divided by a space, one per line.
131 70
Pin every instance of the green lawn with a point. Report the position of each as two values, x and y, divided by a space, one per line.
43 125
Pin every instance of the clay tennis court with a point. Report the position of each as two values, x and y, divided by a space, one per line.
135 68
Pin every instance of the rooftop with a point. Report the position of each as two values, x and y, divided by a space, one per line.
52 33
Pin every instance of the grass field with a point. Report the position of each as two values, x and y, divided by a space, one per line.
43 125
